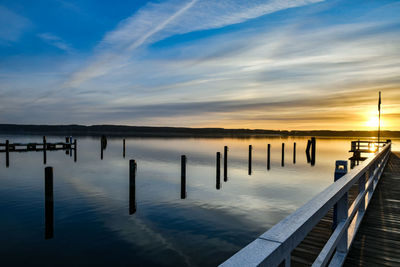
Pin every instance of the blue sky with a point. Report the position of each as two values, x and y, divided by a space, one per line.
300 64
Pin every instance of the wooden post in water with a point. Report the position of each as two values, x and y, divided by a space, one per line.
7 153
183 177
294 153
218 178
123 149
313 149
269 157
48 203
66 146
225 163
132 186
250 157
283 155
75 151
44 150
70 148
101 153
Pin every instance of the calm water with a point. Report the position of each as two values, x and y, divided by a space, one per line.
92 224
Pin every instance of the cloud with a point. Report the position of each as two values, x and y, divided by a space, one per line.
12 25
56 41
158 21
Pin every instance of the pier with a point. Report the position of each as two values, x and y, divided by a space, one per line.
366 216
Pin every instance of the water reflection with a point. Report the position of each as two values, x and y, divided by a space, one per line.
204 229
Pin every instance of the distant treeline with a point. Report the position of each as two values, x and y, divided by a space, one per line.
143 131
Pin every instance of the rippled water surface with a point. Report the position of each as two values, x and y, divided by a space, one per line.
92 224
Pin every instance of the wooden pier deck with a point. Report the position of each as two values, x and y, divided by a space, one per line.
377 242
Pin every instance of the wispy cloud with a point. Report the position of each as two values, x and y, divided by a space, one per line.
12 25
155 22
56 41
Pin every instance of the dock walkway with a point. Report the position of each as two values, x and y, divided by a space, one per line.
377 242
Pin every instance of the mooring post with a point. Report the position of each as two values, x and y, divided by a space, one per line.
101 153
48 203
269 157
225 163
123 149
183 177
283 155
340 171
313 149
70 147
132 186
218 178
66 145
294 153
75 150
7 153
44 150
250 157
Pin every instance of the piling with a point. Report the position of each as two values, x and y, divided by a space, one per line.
123 148
75 150
132 186
66 146
49 203
294 153
101 153
313 149
7 153
70 147
250 158
225 163
44 150
218 178
283 155
269 157
183 177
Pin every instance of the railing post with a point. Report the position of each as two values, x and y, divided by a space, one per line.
340 170
49 203
75 150
361 189
294 153
283 155
44 150
269 157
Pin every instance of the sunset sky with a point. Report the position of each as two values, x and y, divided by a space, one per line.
300 64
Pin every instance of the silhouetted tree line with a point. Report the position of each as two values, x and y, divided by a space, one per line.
143 131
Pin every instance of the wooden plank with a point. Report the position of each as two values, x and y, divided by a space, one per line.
377 241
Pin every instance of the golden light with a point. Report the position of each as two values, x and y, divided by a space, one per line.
373 122
372 147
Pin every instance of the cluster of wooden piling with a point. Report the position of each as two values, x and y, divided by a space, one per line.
311 145
70 147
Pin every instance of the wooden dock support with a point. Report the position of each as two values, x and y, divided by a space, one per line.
218 165
250 158
49 203
7 153
269 157
75 151
101 153
70 146
132 186
294 153
123 148
313 150
66 145
283 155
183 177
44 150
225 163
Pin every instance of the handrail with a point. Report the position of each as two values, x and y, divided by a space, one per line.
275 246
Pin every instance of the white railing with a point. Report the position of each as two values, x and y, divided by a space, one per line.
275 246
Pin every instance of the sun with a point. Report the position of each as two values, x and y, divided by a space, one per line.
373 122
